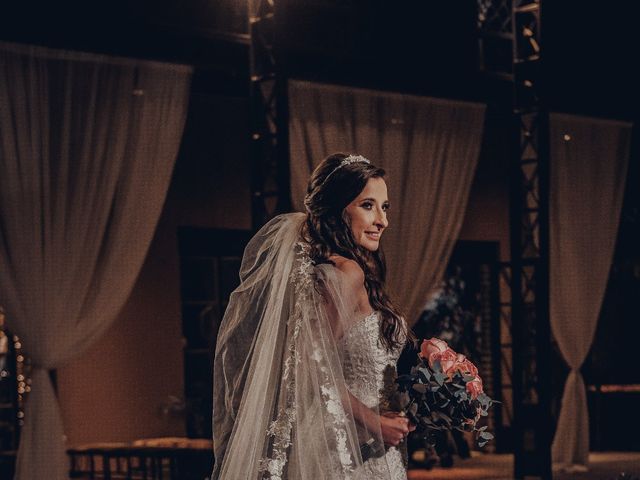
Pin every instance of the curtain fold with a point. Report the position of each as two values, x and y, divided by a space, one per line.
588 170
430 148
87 147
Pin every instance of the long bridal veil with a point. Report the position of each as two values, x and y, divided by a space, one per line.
281 404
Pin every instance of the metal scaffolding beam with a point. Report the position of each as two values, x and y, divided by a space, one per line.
530 251
526 310
270 191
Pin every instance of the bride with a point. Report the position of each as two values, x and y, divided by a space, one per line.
306 352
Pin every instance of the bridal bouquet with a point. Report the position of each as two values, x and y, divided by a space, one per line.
444 392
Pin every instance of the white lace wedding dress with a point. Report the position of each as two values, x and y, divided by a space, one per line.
283 369
366 354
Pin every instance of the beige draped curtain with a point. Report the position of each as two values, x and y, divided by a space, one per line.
588 169
430 149
87 147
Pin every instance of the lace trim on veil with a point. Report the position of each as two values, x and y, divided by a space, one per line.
280 429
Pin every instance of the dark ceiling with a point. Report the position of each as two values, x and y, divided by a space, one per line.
419 46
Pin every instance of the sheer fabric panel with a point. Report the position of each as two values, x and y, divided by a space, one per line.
87 147
588 170
430 149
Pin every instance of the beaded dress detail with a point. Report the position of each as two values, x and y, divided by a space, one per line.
364 353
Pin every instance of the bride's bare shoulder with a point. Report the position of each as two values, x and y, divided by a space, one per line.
352 281
349 268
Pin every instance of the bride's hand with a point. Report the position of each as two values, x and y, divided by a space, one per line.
394 428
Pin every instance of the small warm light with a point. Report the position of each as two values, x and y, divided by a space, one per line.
138 92
20 358
567 137
18 345
534 45
419 456
20 378
20 389
27 389
4 374
20 414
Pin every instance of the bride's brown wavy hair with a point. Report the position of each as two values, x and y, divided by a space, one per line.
328 232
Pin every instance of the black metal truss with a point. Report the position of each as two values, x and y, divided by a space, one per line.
530 329
269 117
490 359
495 37
504 354
526 339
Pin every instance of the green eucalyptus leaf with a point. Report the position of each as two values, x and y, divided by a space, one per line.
440 378
437 368
424 372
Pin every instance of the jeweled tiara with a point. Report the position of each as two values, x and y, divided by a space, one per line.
347 161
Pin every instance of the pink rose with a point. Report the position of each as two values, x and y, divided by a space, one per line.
465 366
447 361
432 346
474 387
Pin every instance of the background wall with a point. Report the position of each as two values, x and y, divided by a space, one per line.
487 215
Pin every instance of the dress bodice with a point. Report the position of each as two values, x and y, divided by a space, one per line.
370 370
369 367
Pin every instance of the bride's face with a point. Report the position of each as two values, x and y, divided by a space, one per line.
367 214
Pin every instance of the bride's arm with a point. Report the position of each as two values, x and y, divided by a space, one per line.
392 427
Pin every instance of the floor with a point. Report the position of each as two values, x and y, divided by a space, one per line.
602 466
